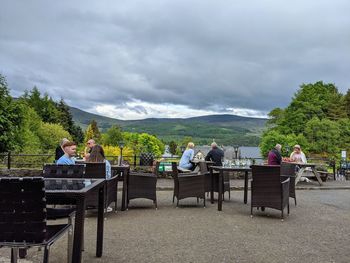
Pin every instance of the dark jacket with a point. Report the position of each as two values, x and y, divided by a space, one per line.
215 155
274 157
59 153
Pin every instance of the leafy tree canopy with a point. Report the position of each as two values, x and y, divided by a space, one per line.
317 118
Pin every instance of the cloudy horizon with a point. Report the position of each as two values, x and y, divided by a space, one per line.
138 59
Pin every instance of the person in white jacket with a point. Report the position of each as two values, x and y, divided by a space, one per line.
297 155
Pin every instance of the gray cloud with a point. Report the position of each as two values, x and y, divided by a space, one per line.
210 55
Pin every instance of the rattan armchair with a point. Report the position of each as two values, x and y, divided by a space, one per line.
188 185
142 185
23 216
288 170
98 170
267 189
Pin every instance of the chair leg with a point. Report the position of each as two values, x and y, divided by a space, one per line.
251 210
155 204
70 244
288 208
204 201
282 214
22 252
197 200
263 208
295 201
14 255
229 194
46 254
177 203
173 198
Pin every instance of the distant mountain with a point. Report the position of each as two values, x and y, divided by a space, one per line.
225 129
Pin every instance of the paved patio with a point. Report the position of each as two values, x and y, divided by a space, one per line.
317 230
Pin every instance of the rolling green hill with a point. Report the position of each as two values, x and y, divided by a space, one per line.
225 129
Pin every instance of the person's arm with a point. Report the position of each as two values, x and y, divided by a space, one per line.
291 156
192 154
208 157
303 158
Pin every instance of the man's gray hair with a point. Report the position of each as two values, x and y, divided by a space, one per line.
214 145
278 147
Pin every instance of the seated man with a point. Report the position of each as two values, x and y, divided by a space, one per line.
275 157
215 155
69 149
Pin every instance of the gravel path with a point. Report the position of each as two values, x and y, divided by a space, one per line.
317 230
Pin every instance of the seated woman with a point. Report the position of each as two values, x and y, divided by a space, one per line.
187 156
297 155
97 155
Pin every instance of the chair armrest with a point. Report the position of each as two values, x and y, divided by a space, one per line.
286 181
142 174
188 175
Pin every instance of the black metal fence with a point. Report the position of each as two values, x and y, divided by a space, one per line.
14 160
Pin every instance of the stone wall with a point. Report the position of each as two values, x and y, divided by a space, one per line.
20 172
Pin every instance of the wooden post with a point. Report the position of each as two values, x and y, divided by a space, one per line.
9 160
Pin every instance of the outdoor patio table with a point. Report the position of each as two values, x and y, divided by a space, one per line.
122 171
221 170
303 166
75 191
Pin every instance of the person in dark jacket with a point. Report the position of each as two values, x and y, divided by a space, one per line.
215 155
275 157
59 150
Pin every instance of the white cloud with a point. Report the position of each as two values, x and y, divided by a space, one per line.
136 110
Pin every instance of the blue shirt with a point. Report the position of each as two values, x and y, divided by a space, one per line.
187 156
65 160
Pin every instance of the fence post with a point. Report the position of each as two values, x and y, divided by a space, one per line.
333 166
134 160
9 160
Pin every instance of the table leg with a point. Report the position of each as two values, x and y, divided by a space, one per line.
124 190
317 175
78 230
211 186
299 174
245 187
221 175
100 222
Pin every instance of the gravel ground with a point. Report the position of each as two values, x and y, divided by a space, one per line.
317 230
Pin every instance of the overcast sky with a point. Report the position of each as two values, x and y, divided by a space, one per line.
174 58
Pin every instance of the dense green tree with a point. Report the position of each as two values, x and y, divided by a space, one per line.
316 118
44 106
347 103
50 135
66 120
113 136
92 132
11 118
323 136
273 137
172 147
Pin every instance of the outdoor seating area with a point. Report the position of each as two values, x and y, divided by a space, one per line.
73 189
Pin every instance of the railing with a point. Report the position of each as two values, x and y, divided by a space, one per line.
12 160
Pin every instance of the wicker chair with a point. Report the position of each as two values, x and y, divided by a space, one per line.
23 216
142 185
226 182
98 170
188 185
64 171
267 189
288 171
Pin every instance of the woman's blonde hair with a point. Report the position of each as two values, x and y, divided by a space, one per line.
190 145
